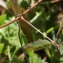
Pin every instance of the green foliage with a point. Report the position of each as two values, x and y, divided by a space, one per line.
2 19
1 47
61 49
40 50
11 31
39 44
34 58
16 60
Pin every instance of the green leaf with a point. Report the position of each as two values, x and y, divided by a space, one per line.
1 47
36 16
9 54
61 50
9 33
34 58
36 45
2 19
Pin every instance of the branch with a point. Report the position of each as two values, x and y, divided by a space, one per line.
22 18
53 1
53 42
25 12
59 30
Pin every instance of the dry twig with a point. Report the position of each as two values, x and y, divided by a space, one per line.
25 12
22 18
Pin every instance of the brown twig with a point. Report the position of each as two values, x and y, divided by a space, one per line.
22 18
60 28
53 42
26 11
32 7
58 32
54 1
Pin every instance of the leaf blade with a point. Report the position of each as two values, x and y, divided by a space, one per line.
36 45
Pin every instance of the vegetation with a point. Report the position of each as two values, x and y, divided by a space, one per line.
31 31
